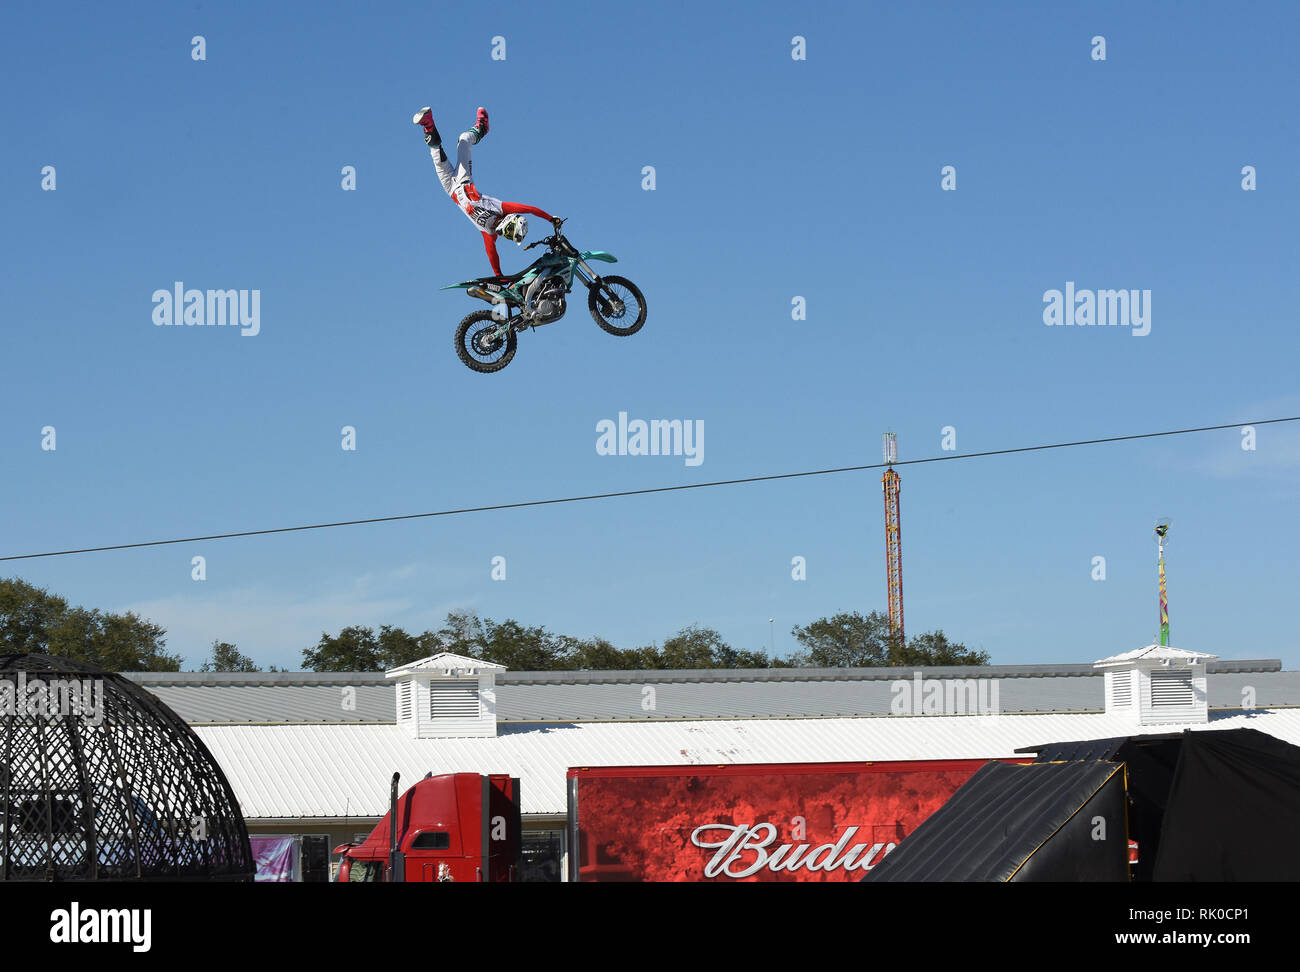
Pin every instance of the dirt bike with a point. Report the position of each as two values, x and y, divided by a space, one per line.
486 340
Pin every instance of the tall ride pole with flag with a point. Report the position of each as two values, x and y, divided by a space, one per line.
893 542
1162 530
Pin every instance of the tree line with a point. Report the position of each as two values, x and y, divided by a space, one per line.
33 620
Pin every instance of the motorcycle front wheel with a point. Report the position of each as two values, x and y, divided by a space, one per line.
617 305
478 345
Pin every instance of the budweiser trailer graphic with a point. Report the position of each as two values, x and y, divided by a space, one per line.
756 822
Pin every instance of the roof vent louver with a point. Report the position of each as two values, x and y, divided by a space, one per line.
447 695
405 701
454 700
1172 688
1158 684
1122 689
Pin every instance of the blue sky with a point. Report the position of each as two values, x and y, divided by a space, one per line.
775 178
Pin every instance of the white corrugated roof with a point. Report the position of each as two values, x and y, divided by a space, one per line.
337 770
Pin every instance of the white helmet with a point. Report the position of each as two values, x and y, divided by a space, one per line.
513 227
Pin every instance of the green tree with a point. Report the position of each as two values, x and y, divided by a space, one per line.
522 649
354 649
696 646
461 633
853 640
506 643
360 649
26 614
34 620
597 654
844 640
397 647
225 657
728 657
934 648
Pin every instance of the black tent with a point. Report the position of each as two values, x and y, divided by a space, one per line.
1205 805
1021 822
1209 805
1150 762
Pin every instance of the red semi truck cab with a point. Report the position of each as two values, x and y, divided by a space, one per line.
456 827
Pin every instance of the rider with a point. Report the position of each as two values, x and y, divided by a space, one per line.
492 216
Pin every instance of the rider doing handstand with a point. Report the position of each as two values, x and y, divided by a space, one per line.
492 216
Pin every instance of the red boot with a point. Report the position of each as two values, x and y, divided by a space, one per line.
424 118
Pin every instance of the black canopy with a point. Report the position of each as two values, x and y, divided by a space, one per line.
1205 805
1021 822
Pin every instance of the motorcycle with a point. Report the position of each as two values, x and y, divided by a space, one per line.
486 340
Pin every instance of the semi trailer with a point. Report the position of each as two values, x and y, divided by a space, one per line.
748 822
755 822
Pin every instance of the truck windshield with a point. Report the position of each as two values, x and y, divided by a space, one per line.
372 871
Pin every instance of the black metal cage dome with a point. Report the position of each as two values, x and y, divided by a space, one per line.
102 781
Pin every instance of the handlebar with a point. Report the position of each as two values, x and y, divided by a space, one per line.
556 224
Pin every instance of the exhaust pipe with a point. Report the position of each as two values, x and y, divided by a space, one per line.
482 294
396 859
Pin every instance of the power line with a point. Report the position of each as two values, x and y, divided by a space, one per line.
640 492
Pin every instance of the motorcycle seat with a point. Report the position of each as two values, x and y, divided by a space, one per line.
505 278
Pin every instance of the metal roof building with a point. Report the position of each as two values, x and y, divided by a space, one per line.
308 750
282 774
336 698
